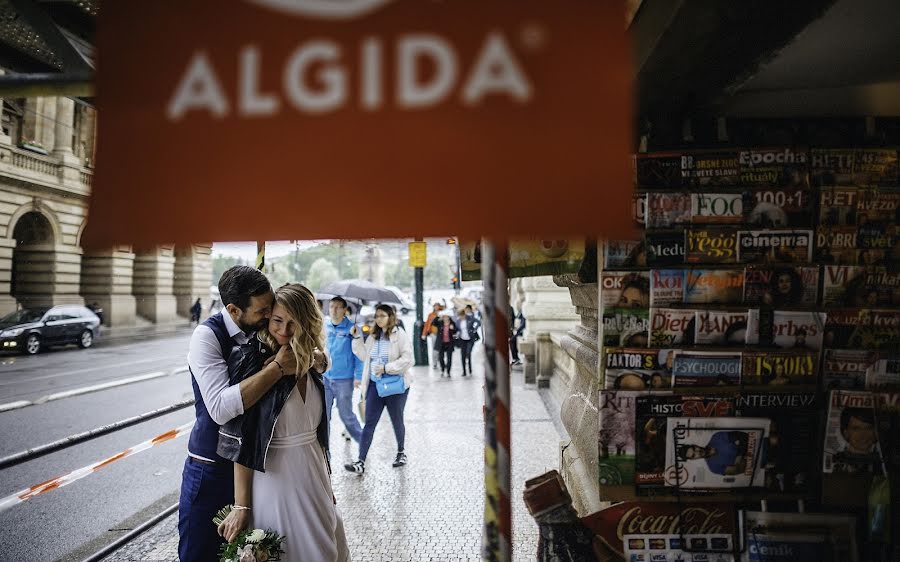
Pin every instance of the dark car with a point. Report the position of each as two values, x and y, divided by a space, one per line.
34 329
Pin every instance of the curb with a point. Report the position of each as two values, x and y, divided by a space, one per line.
89 389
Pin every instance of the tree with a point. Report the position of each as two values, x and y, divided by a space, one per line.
439 272
321 273
222 263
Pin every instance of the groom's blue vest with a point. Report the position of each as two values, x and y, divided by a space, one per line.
205 433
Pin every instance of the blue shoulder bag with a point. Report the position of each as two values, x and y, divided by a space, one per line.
387 385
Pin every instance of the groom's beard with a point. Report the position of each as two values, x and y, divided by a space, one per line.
251 328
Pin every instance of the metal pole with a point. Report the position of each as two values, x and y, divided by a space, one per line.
458 285
419 345
40 451
496 543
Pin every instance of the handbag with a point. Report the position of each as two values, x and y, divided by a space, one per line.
389 385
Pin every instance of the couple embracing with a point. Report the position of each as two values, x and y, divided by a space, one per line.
260 440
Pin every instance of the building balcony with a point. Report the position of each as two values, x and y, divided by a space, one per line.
59 173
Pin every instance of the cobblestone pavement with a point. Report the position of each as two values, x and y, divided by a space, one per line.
430 510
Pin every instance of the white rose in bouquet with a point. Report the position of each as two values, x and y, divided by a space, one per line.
246 554
256 536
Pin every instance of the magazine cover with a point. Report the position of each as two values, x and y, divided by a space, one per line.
774 246
875 237
845 369
774 167
878 206
777 368
799 537
623 253
616 438
843 284
625 289
851 445
666 210
660 170
666 287
875 166
887 416
639 209
706 368
713 286
781 286
715 453
790 452
717 208
838 205
638 368
832 166
778 208
863 329
705 245
654 520
723 327
665 249
678 548
859 286
837 245
800 330
884 374
671 327
652 414
710 168
625 327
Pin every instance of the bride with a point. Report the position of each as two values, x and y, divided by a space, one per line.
282 477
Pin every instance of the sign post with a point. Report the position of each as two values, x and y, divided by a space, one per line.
417 259
497 537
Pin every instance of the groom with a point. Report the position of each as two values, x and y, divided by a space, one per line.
208 480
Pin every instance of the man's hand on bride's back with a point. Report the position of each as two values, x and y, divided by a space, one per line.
237 521
286 359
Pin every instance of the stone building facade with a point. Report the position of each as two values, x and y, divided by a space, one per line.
46 157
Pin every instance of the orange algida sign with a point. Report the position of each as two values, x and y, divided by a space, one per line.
304 119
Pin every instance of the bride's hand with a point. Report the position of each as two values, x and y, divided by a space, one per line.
319 361
237 521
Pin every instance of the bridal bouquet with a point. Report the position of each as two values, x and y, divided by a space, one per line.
252 545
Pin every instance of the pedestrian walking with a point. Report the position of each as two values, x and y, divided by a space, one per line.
467 336
346 369
429 332
195 312
446 341
279 446
517 328
387 355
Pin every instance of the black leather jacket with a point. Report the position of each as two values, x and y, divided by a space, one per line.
245 439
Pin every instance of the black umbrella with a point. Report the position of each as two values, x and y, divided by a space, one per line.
360 289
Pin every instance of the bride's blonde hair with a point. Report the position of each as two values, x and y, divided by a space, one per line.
302 306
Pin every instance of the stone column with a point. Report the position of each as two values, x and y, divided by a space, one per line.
548 309
577 391
47 274
4 138
7 301
153 284
65 120
193 276
106 279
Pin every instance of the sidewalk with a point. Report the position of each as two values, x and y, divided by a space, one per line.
430 510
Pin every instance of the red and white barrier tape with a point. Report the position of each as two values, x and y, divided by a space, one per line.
66 479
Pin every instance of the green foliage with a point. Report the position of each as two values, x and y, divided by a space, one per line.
321 273
222 263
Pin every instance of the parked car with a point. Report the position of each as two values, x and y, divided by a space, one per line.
406 305
33 329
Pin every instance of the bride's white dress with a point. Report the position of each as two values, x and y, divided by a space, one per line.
293 496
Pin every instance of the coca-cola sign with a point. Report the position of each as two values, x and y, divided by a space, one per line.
646 518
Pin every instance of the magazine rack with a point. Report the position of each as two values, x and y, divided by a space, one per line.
795 231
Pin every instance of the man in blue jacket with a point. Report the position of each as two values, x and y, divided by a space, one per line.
346 368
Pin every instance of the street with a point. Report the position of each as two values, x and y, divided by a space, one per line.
72 522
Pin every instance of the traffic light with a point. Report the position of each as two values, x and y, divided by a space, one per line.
451 241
